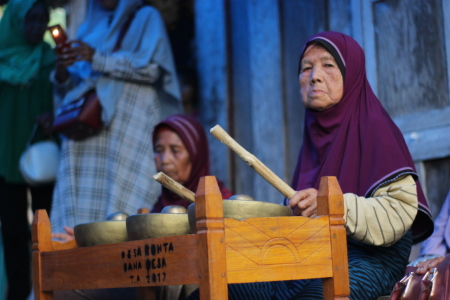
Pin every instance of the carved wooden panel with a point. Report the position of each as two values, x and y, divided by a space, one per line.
277 248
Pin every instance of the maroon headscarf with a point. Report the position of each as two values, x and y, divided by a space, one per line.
355 140
194 139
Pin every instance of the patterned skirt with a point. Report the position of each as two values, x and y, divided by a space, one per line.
113 170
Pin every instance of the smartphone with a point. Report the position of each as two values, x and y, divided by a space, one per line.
59 36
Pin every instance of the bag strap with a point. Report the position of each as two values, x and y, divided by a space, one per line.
125 27
33 134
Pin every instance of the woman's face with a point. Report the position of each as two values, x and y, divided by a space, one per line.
35 25
171 156
109 4
321 82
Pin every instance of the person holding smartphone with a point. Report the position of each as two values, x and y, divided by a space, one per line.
112 171
26 93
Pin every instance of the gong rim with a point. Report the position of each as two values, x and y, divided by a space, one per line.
100 233
244 209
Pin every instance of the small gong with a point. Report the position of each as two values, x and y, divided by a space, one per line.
173 220
117 216
241 197
174 209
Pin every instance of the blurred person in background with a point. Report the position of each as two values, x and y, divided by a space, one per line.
438 244
112 171
26 94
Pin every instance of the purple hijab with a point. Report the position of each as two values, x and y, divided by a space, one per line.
355 140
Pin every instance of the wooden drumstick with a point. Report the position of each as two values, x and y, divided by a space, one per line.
253 162
174 186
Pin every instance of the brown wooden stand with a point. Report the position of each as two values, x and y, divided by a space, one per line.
223 251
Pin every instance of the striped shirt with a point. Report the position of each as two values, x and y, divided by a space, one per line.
385 218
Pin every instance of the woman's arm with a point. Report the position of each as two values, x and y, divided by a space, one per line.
118 66
385 218
145 53
60 77
61 88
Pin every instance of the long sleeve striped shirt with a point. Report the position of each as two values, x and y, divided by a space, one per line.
385 218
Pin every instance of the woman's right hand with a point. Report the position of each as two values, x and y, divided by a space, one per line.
65 237
304 203
75 51
424 266
72 52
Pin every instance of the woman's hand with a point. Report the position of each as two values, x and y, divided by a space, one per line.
304 203
73 52
65 237
76 51
428 264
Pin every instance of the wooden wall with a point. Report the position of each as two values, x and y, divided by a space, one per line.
410 53
213 67
412 77
296 27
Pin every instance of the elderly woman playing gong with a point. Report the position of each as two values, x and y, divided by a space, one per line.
348 134
181 151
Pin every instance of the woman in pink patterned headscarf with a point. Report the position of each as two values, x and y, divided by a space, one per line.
181 152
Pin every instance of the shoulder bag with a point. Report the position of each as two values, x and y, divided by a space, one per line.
434 285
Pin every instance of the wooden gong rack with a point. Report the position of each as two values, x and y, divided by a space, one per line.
223 251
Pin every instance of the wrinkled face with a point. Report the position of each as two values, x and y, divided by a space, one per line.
171 156
108 4
35 25
321 81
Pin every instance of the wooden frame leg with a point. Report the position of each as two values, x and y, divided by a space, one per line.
42 241
211 240
330 202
